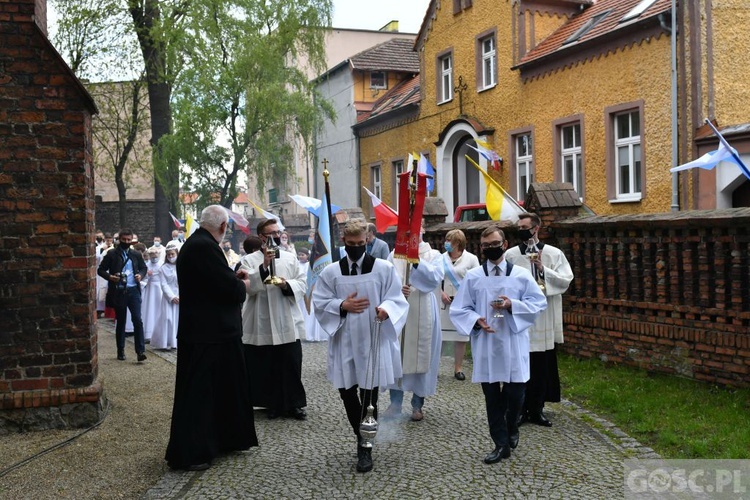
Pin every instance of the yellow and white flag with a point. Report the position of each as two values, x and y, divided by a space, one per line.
500 205
191 225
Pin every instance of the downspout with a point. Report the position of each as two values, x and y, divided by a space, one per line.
672 30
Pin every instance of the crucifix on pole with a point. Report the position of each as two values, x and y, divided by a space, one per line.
460 89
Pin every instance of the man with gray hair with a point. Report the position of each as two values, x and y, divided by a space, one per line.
212 412
375 246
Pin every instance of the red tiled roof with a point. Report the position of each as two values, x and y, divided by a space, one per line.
396 54
241 199
403 94
606 25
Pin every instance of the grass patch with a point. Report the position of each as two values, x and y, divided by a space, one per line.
678 418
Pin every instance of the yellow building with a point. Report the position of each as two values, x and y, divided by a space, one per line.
573 91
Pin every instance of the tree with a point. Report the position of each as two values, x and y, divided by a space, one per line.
241 100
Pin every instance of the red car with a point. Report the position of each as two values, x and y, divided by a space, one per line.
472 212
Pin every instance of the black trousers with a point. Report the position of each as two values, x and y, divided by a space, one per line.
503 407
356 401
544 382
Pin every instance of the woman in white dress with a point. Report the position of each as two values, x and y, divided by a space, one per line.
152 295
457 261
165 333
313 331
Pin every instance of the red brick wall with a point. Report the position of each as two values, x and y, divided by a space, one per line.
47 334
665 292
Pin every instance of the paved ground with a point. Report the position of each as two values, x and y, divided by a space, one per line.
441 457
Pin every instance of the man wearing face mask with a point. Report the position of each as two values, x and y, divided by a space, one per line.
551 269
349 297
273 326
160 249
123 267
231 255
495 306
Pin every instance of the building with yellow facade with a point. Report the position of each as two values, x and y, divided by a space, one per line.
578 91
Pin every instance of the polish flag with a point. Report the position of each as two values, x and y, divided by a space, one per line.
385 216
175 220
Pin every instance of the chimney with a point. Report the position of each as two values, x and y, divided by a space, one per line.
24 11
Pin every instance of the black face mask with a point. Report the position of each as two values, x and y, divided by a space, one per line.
277 241
124 246
353 252
524 234
493 254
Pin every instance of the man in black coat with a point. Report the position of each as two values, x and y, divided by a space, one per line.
212 413
123 268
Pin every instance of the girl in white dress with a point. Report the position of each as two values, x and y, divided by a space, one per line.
165 333
152 295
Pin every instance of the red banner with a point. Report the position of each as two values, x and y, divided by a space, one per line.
409 218
412 254
402 230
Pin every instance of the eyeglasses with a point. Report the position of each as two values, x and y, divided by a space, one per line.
272 233
491 244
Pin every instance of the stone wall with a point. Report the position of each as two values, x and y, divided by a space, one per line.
48 341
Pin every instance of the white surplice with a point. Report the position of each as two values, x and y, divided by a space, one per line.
165 331
152 299
422 342
548 328
501 356
349 347
269 317
465 262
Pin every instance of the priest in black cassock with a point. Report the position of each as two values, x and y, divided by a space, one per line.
212 412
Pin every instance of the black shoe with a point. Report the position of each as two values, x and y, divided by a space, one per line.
142 357
513 440
459 376
121 355
197 467
497 454
273 414
539 419
364 459
523 417
298 413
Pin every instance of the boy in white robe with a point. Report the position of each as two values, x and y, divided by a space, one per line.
420 348
496 305
349 296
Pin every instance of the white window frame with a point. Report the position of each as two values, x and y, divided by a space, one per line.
373 85
575 154
489 62
524 164
446 78
376 179
398 168
631 142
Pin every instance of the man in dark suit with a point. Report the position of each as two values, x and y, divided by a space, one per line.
123 268
212 412
375 246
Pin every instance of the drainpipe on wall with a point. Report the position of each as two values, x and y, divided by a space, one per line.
672 30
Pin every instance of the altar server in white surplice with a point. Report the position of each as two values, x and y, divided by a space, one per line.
550 268
165 331
152 294
495 306
420 347
348 297
272 326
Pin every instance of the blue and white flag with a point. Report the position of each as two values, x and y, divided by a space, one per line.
320 253
725 152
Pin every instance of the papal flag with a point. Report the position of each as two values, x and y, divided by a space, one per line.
268 215
500 205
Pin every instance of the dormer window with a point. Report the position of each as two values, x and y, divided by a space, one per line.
637 10
378 80
587 26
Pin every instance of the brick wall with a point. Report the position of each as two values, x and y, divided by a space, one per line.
139 218
48 357
664 292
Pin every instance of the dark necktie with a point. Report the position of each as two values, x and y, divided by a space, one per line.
497 270
354 269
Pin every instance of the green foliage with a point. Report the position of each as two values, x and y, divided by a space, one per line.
677 417
241 100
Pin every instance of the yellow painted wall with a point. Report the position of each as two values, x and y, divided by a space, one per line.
362 90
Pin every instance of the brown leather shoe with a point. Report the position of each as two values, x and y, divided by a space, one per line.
417 415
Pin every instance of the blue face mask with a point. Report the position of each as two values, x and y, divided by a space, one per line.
448 247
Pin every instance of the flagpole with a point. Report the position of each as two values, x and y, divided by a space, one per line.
334 247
